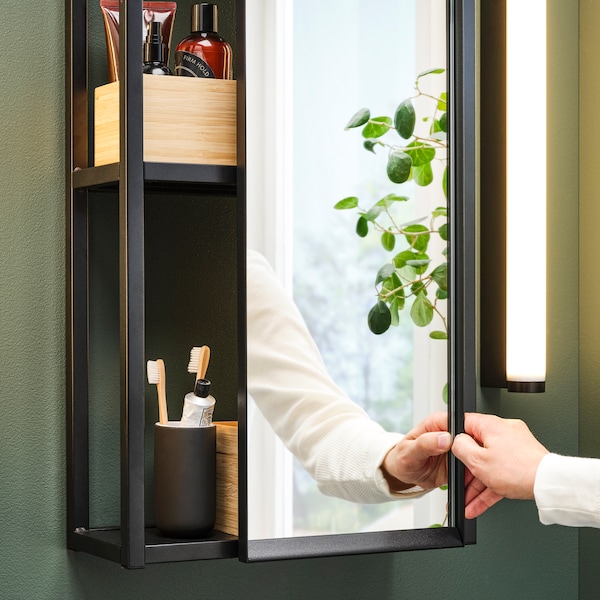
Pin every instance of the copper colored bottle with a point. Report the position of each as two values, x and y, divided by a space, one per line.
204 53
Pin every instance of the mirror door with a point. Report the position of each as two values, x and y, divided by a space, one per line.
333 208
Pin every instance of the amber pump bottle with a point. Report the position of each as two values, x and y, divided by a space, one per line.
204 53
154 52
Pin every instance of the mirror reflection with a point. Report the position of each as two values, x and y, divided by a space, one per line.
311 69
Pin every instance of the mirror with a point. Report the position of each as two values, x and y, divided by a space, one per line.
310 69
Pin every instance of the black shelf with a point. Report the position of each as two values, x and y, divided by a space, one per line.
132 544
207 178
106 543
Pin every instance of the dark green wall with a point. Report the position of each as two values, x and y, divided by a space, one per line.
589 323
515 556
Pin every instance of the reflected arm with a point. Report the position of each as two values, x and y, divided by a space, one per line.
334 439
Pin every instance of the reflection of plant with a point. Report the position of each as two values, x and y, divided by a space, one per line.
411 273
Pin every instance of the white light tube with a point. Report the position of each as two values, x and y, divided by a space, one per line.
526 194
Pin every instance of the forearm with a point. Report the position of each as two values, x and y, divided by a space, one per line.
567 491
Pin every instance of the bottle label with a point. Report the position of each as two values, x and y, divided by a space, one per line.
190 65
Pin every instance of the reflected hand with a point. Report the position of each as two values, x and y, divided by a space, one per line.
502 457
420 457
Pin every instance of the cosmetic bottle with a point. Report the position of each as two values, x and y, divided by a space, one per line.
204 53
198 406
164 12
155 51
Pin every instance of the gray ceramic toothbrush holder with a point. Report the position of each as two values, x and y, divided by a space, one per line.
184 479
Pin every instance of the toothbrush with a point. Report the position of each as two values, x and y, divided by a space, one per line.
157 376
199 357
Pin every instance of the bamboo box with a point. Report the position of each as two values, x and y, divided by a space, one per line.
186 120
227 477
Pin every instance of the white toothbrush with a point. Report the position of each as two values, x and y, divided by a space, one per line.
157 376
199 357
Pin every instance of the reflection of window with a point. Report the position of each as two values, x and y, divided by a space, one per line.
308 73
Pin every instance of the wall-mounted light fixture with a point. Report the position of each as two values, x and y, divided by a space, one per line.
526 195
513 195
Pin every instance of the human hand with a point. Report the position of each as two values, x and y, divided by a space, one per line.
502 457
420 457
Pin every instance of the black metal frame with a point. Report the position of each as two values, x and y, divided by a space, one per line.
132 544
493 195
462 320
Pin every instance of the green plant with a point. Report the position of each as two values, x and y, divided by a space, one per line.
411 273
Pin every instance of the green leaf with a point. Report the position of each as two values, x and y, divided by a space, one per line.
438 335
379 318
398 166
377 127
388 240
403 257
434 71
443 123
419 241
440 276
370 145
385 272
346 203
390 198
414 263
420 153
417 287
441 136
423 175
441 105
418 263
396 306
362 227
439 128
359 118
445 393
441 294
409 273
421 311
393 290
443 231
382 205
444 487
374 212
404 119
435 526
440 211
445 182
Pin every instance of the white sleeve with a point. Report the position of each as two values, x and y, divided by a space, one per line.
333 438
567 491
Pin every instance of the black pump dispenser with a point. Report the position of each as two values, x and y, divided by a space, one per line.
155 51
153 46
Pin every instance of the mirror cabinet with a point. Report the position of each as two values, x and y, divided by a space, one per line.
156 264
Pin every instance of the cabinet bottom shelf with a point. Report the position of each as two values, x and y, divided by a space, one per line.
106 543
